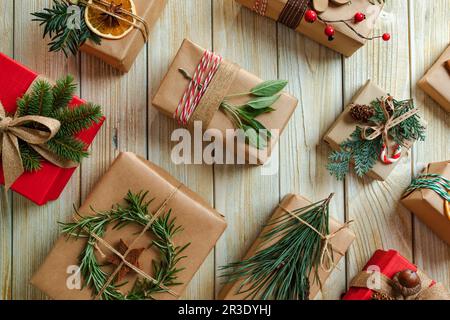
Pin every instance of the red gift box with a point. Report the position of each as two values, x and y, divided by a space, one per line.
46 184
389 264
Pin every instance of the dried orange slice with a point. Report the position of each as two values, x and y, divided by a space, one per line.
447 208
105 25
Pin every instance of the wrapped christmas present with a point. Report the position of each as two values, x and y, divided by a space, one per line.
140 234
389 276
44 131
428 198
294 255
342 25
436 82
112 30
373 134
203 90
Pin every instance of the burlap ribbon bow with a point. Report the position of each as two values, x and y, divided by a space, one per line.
382 129
14 128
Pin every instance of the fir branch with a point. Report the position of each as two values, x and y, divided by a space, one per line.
63 92
40 100
68 147
289 254
31 160
73 121
65 39
136 211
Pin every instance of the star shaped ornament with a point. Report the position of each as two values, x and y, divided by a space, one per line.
322 5
132 258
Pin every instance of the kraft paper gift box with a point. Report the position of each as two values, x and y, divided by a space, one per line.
345 125
121 53
340 244
47 183
174 85
346 42
436 82
201 227
429 206
388 264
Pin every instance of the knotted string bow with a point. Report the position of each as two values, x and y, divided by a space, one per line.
382 129
36 131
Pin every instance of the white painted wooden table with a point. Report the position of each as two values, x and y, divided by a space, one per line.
322 80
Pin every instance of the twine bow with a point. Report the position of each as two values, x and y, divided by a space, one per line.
326 256
36 131
382 129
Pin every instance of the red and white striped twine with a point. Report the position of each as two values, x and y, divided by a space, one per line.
201 79
260 7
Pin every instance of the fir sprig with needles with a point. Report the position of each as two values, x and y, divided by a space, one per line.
52 101
163 231
59 25
289 253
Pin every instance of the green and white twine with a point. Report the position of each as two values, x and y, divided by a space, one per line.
435 182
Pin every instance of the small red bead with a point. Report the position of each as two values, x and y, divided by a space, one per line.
359 17
386 37
329 31
311 16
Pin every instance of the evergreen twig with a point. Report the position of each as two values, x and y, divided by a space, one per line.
289 254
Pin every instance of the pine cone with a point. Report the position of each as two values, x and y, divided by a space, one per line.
362 113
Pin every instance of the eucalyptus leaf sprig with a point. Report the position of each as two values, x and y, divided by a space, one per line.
264 95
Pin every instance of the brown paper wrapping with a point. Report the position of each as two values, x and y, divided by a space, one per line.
345 125
122 53
346 41
428 206
341 242
201 223
436 82
174 85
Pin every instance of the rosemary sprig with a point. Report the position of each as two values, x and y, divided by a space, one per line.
289 254
136 212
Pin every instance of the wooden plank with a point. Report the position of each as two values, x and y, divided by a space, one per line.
35 228
242 193
181 19
6 47
379 221
429 37
303 154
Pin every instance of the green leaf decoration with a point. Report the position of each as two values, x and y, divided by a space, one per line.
269 88
55 21
263 102
289 253
136 211
53 102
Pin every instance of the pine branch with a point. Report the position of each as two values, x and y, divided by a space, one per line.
41 99
135 211
68 147
73 121
290 252
63 92
55 20
23 105
31 159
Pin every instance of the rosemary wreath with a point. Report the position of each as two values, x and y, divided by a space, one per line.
136 211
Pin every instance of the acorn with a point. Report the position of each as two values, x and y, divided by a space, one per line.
407 283
362 113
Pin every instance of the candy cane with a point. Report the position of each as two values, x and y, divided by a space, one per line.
395 157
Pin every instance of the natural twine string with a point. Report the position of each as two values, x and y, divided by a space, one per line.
95 5
123 257
326 257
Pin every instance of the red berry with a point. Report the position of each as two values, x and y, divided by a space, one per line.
386 37
359 17
311 16
329 31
